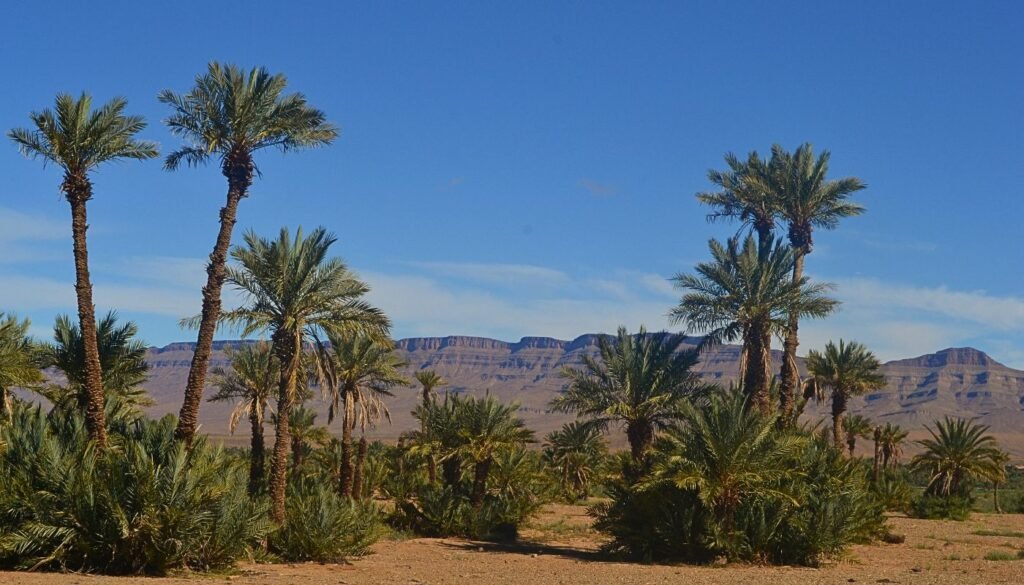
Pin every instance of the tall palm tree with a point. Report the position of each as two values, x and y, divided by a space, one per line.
640 381
743 195
297 294
745 293
18 367
486 426
360 371
576 452
807 199
890 441
846 370
958 452
429 380
231 114
856 427
249 383
78 140
122 360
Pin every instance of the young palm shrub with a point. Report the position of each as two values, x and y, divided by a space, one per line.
145 506
746 293
18 364
473 438
958 454
323 526
730 483
576 453
429 381
640 382
78 139
122 359
305 435
231 114
846 370
295 293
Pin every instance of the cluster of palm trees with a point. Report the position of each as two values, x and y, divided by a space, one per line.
754 290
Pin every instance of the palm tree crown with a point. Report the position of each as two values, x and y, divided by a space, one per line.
429 380
743 195
641 381
746 293
79 139
957 452
847 370
229 112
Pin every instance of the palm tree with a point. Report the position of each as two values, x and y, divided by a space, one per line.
249 383
890 441
295 293
856 427
359 371
18 367
78 140
429 380
484 427
232 114
304 435
640 381
806 200
576 452
1002 459
745 293
847 370
958 452
743 195
122 361
729 453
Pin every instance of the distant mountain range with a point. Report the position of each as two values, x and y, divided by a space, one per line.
957 381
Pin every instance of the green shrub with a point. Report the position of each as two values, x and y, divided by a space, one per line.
893 490
146 505
322 526
729 484
954 507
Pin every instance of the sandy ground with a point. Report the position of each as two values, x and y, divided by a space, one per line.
560 548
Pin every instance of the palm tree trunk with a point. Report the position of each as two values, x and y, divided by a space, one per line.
851 444
838 409
357 476
878 453
480 472
451 470
298 455
790 374
238 169
640 435
78 191
758 367
348 424
257 454
287 349
995 497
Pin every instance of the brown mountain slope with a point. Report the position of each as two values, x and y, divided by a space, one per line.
957 382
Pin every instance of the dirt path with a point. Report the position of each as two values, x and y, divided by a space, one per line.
563 552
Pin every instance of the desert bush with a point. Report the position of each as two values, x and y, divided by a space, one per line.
146 505
323 526
729 484
952 507
893 490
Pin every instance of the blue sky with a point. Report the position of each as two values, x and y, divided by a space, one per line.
528 168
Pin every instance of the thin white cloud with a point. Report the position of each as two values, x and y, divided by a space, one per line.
17 226
596 188
516 275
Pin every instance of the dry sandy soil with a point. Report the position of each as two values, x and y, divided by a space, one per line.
560 548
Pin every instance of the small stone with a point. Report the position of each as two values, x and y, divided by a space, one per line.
533 556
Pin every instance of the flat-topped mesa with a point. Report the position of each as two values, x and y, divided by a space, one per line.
437 343
953 356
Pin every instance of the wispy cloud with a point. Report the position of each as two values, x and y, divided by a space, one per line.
595 188
497 274
18 226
